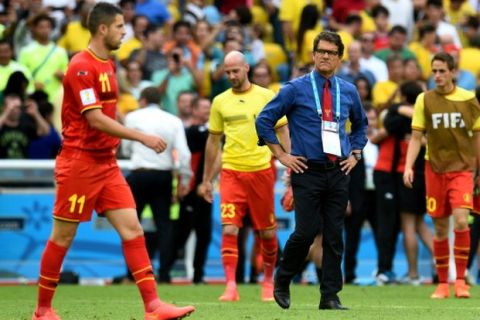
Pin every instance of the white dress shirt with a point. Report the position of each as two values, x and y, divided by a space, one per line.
376 66
152 120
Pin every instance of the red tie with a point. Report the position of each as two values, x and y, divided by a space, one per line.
327 114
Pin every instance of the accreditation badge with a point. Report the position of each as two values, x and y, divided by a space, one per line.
331 138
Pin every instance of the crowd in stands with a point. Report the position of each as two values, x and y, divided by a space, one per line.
178 46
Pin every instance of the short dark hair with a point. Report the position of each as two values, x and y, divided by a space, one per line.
394 57
42 17
196 101
435 3
331 37
181 23
426 28
445 57
151 28
397 29
410 90
378 10
151 95
102 13
352 19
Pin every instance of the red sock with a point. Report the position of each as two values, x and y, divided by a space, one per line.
461 250
229 256
441 252
139 265
269 254
50 266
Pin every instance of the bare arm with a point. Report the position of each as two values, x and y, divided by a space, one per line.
212 153
97 120
406 111
412 153
379 136
43 128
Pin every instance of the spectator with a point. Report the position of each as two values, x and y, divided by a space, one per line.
352 69
350 31
368 60
45 147
17 84
425 47
307 31
178 77
412 72
183 39
9 66
290 16
150 55
19 125
397 40
156 12
184 106
128 9
46 61
435 15
77 36
380 16
402 14
139 25
385 92
134 82
262 76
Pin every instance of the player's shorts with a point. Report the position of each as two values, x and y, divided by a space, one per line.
87 182
412 200
448 191
252 192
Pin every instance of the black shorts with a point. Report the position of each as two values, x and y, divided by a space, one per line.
412 200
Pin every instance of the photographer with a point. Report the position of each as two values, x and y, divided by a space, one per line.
178 77
19 125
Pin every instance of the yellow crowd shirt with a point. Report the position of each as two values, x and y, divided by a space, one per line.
233 114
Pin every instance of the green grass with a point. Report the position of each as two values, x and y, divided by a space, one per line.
123 302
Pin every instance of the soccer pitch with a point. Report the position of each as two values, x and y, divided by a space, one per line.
123 302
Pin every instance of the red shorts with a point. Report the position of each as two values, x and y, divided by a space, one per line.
447 191
86 183
247 191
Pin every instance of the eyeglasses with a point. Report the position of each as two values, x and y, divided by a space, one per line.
330 53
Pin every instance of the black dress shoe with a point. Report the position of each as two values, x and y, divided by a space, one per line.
281 293
331 305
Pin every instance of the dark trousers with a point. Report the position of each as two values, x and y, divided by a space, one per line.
195 214
388 219
154 187
321 197
363 209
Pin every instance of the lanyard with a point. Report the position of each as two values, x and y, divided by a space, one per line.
317 98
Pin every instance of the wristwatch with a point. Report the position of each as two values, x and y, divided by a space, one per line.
357 155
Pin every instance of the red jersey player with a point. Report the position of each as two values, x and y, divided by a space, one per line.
86 171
